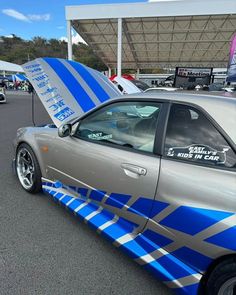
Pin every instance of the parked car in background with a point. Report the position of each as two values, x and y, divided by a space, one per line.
140 84
125 86
160 89
2 95
230 89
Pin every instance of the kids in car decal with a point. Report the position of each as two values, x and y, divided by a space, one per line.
201 153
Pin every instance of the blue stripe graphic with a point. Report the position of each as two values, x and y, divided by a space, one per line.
97 195
147 207
89 79
225 239
175 267
195 259
101 218
118 200
159 240
198 219
71 83
168 267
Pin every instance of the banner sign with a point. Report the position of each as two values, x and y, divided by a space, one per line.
232 61
189 78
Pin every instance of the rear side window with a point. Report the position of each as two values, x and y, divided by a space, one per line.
192 137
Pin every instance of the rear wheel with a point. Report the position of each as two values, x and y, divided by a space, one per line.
27 169
222 280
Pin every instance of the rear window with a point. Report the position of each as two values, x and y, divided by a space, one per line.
192 137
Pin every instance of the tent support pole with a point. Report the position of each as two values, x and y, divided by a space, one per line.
69 38
119 48
109 72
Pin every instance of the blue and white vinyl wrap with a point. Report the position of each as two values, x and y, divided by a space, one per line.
177 275
68 89
180 269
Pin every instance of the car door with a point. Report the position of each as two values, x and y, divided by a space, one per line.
198 187
110 159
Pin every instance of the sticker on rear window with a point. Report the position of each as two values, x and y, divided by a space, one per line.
199 153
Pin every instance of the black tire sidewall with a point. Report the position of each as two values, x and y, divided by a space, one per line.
37 185
220 275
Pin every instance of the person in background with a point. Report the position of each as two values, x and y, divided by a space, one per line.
2 84
30 88
17 84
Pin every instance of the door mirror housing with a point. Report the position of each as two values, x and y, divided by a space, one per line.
64 130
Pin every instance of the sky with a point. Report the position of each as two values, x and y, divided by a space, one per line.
45 18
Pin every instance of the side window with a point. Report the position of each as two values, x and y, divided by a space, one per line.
191 136
126 124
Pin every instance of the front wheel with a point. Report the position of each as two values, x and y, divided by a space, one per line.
27 169
222 281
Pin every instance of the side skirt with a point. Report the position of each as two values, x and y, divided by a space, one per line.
121 232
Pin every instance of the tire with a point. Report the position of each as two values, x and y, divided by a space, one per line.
28 169
222 280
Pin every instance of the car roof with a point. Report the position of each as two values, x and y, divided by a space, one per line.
221 108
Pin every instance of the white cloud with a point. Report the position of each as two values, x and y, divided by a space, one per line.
16 14
63 39
60 27
26 18
9 36
39 17
76 38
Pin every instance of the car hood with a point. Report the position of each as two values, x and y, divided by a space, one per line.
68 89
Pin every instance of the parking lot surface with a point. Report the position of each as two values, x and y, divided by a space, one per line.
43 248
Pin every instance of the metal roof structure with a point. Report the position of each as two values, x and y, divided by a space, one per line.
157 33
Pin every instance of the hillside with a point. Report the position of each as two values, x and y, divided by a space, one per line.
19 51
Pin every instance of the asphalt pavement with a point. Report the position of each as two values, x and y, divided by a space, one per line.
44 249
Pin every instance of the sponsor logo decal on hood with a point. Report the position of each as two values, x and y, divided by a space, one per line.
68 89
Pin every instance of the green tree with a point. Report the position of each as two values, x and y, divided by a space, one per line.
19 51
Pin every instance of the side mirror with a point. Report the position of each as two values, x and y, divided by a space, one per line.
64 130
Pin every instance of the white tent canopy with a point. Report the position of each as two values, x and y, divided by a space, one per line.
10 67
156 33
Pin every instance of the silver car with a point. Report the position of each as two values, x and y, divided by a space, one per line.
154 173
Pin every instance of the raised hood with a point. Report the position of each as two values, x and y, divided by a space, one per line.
68 89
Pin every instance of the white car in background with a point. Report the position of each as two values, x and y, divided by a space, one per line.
136 86
160 89
229 89
125 86
2 95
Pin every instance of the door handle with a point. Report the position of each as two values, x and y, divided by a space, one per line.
134 169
